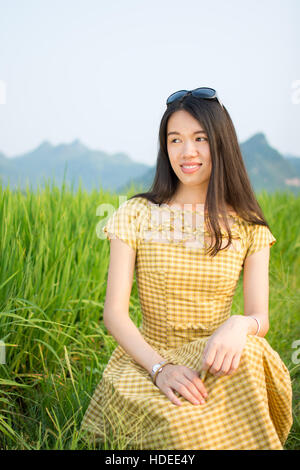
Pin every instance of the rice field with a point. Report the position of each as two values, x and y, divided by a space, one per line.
55 346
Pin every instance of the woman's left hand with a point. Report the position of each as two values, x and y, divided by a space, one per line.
223 350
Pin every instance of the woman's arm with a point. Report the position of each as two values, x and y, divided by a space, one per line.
256 289
116 307
116 318
223 350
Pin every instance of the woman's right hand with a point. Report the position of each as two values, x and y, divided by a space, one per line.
184 380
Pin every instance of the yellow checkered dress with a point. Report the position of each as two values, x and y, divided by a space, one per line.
185 295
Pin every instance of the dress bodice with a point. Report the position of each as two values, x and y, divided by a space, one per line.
184 292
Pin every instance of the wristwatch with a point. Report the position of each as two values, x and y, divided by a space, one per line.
156 367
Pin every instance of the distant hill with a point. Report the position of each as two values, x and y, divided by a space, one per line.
267 168
94 167
294 162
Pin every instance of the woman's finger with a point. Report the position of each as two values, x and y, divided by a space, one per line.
226 364
208 356
234 364
194 377
192 387
218 360
171 395
185 392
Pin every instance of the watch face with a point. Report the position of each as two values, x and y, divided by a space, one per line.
156 367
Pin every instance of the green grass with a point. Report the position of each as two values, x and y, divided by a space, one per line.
53 276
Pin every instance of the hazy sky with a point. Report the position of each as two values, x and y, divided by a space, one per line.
100 71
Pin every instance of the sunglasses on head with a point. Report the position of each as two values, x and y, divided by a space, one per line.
203 92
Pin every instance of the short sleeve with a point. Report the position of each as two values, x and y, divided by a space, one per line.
260 236
123 223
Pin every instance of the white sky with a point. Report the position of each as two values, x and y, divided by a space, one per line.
100 71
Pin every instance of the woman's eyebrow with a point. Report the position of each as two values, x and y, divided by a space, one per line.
178 133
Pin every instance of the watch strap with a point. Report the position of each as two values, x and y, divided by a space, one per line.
162 364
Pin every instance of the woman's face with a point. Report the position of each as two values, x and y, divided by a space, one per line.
187 143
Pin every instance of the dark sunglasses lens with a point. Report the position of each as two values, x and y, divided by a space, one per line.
204 93
175 96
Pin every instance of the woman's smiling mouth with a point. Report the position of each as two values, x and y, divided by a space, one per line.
190 168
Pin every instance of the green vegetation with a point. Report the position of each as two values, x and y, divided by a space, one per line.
53 276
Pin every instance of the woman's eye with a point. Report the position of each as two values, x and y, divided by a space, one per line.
204 138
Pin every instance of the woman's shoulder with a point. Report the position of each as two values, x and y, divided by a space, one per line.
124 222
133 204
137 205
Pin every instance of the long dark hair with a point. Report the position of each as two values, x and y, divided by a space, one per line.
229 182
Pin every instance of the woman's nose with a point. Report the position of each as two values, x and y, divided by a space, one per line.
190 149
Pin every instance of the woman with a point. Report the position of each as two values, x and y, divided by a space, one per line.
192 376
